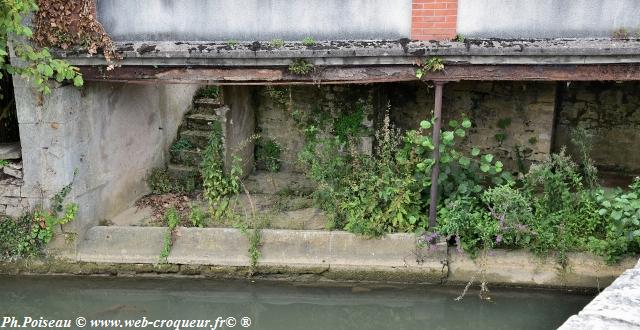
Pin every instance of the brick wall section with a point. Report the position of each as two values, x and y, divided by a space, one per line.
434 19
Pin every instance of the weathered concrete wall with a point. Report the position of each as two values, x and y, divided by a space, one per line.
611 113
111 134
546 18
255 19
511 120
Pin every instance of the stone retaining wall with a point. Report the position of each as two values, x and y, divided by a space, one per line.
327 255
12 202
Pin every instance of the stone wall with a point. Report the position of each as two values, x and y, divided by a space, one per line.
611 113
510 119
12 202
276 116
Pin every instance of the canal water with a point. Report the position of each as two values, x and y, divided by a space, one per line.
275 305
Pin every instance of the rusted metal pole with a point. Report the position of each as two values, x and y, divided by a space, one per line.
435 170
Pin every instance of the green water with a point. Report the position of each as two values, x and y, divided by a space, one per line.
272 305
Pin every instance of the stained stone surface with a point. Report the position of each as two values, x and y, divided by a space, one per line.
617 307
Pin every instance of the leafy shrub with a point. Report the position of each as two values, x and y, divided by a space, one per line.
301 67
389 190
28 234
308 41
620 234
198 217
216 183
267 154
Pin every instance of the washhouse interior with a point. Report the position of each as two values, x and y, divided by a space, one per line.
275 139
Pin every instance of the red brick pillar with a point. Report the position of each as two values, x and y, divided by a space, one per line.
434 19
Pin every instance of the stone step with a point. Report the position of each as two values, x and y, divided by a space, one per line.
181 171
261 182
186 157
198 139
207 106
200 121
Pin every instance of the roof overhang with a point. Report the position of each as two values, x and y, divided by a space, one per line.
366 61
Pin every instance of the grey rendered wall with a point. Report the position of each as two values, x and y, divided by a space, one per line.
112 134
546 18
191 20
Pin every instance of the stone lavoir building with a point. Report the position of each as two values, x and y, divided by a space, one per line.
523 94
527 74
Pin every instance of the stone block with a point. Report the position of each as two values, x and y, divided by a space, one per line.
210 246
16 173
122 245
295 247
9 188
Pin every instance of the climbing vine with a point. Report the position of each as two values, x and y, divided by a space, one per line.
35 64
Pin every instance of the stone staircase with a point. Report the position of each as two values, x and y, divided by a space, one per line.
193 136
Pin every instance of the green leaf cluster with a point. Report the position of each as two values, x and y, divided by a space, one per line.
27 235
37 65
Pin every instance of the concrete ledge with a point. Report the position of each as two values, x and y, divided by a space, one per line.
342 253
520 267
121 245
369 52
337 255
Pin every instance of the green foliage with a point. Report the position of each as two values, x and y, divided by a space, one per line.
232 43
198 217
36 65
172 218
215 182
279 95
3 163
551 212
250 226
182 144
465 219
503 123
211 92
582 139
27 235
308 41
459 38
349 124
267 154
161 182
620 212
301 67
389 190
276 43
432 64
